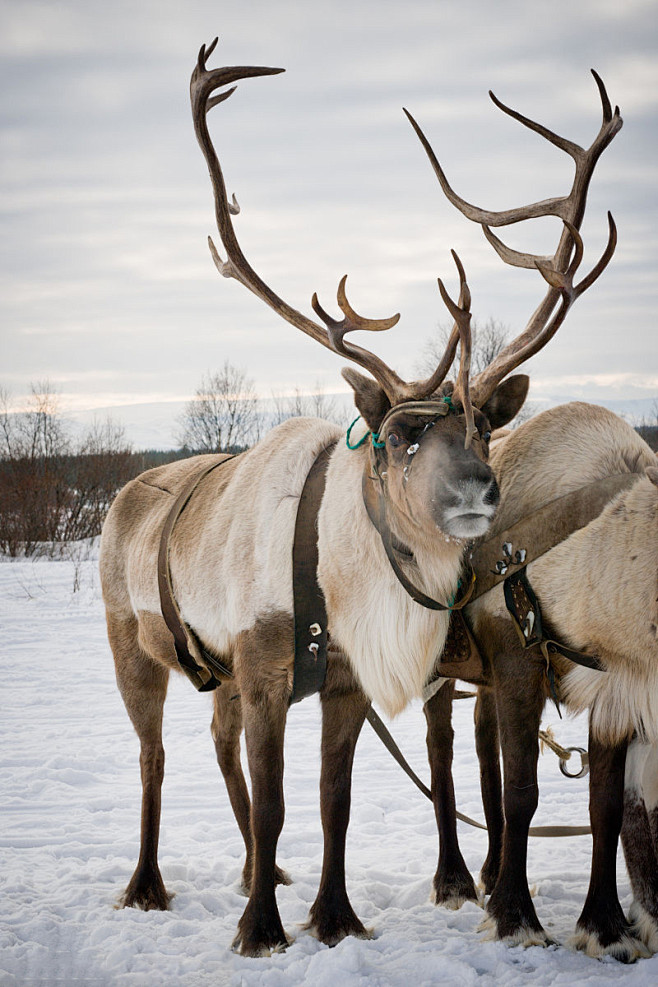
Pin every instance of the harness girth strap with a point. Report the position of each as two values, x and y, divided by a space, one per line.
203 670
310 667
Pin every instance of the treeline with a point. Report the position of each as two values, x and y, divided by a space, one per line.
55 488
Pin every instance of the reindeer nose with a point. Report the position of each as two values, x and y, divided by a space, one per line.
492 496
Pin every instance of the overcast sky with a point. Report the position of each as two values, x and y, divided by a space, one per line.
108 289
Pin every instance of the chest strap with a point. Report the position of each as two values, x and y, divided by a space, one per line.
202 669
310 609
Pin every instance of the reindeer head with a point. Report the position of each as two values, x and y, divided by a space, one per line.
430 437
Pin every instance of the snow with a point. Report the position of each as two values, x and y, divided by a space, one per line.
70 828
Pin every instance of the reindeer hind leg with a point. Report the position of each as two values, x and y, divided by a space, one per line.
638 837
143 685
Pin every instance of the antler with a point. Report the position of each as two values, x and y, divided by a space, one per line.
203 84
557 270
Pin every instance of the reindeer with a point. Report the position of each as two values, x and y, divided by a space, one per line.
597 590
400 504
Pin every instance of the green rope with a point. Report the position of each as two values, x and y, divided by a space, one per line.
373 435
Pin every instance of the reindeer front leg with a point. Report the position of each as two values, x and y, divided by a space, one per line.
519 702
264 662
487 746
344 707
453 884
602 928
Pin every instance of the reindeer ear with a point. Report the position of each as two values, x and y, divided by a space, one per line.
369 398
507 400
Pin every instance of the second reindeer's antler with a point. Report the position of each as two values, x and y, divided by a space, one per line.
203 85
557 270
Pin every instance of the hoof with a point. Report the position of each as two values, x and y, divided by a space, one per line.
455 902
524 935
333 933
643 926
452 892
333 924
260 943
626 949
260 932
147 893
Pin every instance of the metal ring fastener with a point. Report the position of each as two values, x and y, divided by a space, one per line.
584 763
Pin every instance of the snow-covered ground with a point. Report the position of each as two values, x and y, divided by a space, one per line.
69 828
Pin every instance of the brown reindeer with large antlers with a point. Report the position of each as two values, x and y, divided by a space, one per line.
399 508
598 596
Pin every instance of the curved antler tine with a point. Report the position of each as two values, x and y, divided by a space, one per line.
358 321
225 268
207 52
326 318
578 249
575 150
605 102
214 100
462 316
603 261
351 321
513 257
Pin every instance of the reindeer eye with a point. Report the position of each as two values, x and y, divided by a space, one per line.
486 436
394 439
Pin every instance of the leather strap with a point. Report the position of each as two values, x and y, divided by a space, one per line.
384 735
203 670
537 533
309 605
377 514
525 611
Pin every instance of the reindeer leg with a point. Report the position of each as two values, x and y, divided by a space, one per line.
344 707
263 663
519 702
602 928
143 686
453 884
226 728
638 837
487 746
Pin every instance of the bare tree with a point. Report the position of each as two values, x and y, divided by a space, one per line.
488 340
298 405
50 489
102 465
223 414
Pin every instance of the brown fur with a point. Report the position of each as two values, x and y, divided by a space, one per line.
598 592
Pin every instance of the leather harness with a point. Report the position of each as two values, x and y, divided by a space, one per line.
203 669
461 657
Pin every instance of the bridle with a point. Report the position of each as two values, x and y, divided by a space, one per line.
375 498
